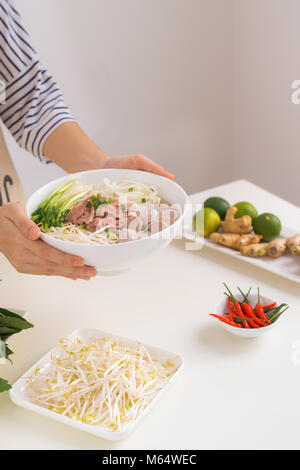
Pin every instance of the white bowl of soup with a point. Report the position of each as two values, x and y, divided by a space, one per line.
112 218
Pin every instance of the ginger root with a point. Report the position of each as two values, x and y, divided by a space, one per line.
234 240
277 247
274 249
293 244
256 250
232 225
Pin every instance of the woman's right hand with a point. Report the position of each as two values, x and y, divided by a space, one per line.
19 242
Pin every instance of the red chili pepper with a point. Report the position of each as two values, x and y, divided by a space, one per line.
265 307
230 308
256 323
225 320
249 312
237 308
239 313
259 310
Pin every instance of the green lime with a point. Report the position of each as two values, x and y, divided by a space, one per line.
206 221
245 208
218 204
267 225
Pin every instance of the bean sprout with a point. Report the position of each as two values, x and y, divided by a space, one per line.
100 381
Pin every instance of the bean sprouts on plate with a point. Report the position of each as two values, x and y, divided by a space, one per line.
100 381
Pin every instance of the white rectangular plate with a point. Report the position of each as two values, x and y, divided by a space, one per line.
19 395
287 265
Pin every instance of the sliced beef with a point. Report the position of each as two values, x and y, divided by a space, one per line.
96 224
81 214
108 214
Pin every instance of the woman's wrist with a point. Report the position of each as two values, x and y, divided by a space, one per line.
71 149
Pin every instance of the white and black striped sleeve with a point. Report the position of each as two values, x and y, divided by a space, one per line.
34 106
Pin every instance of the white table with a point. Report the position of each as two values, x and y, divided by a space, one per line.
233 393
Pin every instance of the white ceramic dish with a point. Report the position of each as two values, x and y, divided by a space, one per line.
19 395
221 308
117 258
287 266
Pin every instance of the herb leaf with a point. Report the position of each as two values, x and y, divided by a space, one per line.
4 385
15 323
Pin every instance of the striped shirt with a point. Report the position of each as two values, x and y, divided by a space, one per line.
34 106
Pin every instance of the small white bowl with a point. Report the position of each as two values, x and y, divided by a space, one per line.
221 308
117 258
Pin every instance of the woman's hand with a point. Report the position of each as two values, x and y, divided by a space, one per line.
71 149
19 242
137 162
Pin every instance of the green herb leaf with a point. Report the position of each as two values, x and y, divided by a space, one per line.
7 313
9 352
88 204
130 190
5 331
143 200
4 385
16 323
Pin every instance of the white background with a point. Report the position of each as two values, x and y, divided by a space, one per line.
202 86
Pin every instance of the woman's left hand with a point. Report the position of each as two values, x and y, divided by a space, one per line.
137 162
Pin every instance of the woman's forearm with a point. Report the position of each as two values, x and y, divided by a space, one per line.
71 149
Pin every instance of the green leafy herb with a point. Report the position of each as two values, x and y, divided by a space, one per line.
144 200
15 323
88 204
6 331
130 190
4 385
10 323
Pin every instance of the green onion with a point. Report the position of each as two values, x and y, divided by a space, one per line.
52 212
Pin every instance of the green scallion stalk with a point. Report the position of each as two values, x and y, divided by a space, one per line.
52 212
